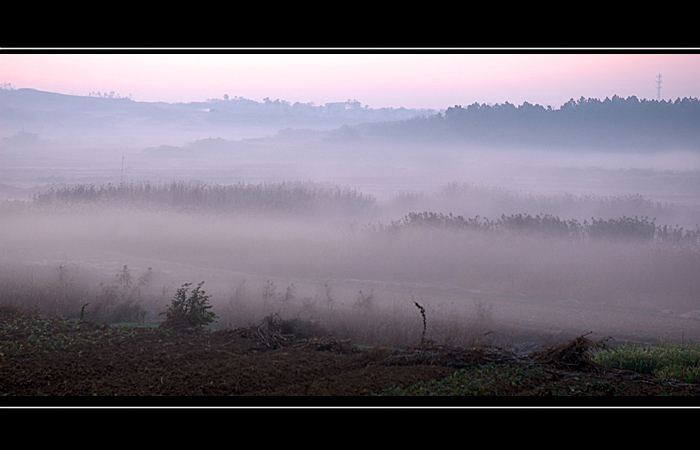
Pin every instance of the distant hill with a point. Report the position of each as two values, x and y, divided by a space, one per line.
95 118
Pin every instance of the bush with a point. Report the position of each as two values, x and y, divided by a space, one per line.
192 311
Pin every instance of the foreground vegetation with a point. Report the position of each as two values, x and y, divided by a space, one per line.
478 370
667 361
52 356
32 335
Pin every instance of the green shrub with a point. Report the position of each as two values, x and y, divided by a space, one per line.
192 310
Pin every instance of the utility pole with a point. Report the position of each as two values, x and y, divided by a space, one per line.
122 169
658 87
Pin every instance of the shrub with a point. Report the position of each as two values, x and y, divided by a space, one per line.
192 311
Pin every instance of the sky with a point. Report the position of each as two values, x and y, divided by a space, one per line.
377 79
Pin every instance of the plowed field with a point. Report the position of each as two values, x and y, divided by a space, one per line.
56 362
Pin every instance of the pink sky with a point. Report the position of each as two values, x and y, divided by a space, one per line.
434 80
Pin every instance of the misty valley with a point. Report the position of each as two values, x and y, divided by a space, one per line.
350 223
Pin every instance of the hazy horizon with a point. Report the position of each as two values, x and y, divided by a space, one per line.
376 79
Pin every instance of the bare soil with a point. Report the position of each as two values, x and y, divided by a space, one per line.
257 365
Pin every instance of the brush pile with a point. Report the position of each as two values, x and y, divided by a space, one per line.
574 354
273 332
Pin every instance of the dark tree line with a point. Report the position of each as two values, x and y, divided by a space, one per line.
621 123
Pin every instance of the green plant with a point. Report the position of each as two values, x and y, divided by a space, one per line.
666 360
488 379
193 310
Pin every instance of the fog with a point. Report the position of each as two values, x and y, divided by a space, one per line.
310 211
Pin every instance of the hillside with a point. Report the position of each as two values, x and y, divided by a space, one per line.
60 116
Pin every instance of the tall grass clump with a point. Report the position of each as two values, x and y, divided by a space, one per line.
666 360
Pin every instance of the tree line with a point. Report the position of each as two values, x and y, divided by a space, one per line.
625 123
